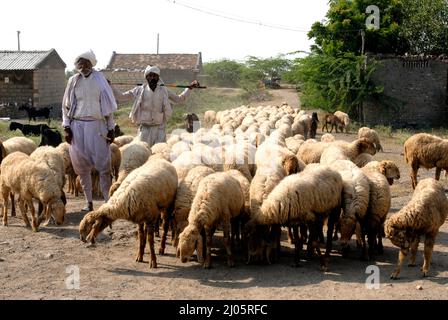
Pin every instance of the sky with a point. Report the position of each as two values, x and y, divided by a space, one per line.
211 27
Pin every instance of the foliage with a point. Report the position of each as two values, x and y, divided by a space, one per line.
345 20
224 73
333 82
426 26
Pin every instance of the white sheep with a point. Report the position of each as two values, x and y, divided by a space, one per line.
423 215
302 199
21 144
371 135
133 155
341 150
186 192
141 196
219 199
30 179
380 175
123 140
427 151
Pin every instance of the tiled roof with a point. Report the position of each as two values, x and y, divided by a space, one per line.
134 61
22 60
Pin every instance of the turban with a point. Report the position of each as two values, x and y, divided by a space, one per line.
88 55
152 69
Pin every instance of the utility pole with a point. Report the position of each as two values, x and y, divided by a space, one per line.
157 43
18 40
362 71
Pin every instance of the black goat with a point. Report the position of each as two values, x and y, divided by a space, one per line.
28 129
34 113
314 123
118 131
191 119
50 138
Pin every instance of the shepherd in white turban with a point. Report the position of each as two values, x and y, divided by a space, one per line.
87 117
152 69
88 55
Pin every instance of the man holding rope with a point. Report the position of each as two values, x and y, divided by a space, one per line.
152 108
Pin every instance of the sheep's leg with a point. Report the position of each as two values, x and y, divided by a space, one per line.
34 218
380 248
297 246
149 230
413 175
401 256
23 210
208 248
13 205
414 248
141 242
228 244
429 244
5 195
438 171
360 234
290 235
360 227
303 233
334 215
165 226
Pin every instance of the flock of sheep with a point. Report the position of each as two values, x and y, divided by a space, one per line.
249 171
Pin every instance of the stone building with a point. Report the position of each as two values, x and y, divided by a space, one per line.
415 93
126 70
31 76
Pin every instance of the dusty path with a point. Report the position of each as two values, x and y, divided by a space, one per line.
41 265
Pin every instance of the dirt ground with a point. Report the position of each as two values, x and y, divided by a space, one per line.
42 265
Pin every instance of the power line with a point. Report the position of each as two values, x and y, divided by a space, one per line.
236 18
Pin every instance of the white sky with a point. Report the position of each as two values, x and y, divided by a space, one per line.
131 26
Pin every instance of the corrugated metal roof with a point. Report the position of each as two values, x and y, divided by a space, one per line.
22 60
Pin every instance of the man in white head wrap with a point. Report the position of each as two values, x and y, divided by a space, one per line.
152 108
87 117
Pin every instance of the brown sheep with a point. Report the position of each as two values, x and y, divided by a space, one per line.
422 216
334 121
427 151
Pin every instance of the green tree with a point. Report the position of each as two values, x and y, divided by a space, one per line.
270 67
224 73
341 32
426 26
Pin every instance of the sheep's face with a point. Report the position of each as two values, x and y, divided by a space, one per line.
390 171
58 210
397 236
189 240
290 163
89 227
366 146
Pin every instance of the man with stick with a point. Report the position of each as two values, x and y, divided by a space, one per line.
152 108
87 118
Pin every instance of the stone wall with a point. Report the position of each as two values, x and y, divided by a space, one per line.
415 94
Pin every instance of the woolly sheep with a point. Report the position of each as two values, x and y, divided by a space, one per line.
422 216
141 196
380 175
22 144
363 159
344 118
371 135
219 198
327 137
427 151
297 199
30 179
123 140
186 192
342 150
133 155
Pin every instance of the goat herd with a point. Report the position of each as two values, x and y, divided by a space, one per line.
249 171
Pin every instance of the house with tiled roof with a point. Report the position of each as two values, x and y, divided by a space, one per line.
31 76
127 69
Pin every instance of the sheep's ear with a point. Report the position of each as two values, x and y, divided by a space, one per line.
199 249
